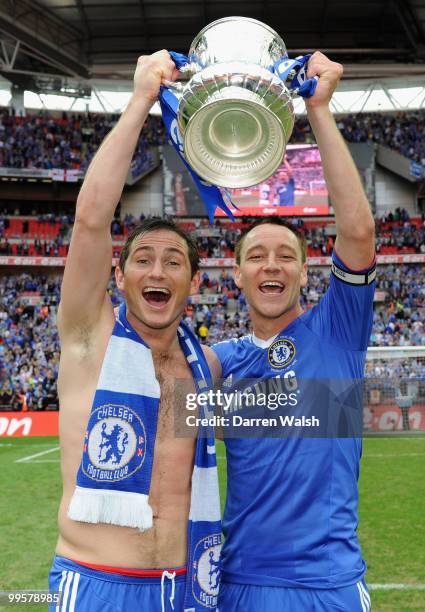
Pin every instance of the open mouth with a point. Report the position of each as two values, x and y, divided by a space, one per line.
272 287
156 296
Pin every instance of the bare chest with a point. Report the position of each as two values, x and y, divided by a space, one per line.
173 454
176 382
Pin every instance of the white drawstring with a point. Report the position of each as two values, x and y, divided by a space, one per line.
170 576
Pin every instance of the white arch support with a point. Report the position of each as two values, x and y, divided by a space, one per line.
352 96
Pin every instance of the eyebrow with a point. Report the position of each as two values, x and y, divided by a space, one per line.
262 247
167 250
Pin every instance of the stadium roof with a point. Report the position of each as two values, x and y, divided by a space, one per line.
70 46
103 38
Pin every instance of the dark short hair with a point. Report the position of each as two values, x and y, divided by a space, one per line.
272 221
153 225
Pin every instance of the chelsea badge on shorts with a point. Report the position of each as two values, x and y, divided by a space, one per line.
206 574
281 353
114 444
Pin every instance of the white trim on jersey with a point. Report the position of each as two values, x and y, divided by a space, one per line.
263 343
365 602
366 594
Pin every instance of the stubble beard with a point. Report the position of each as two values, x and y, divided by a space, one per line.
159 325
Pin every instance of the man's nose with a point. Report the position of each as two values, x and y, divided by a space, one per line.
157 269
271 263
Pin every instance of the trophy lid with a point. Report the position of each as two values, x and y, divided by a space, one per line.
235 19
236 39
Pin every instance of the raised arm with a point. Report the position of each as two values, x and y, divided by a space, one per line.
84 301
355 242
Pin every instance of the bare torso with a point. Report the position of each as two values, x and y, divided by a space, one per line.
165 544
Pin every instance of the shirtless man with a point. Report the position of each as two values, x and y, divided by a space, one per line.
92 566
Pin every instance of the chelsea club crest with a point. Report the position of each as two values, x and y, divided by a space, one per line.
281 353
206 575
114 444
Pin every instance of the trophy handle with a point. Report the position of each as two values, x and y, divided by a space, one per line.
294 92
176 85
186 73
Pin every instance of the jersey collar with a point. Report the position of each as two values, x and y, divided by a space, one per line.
263 343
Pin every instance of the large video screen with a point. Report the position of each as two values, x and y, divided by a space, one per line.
297 188
180 195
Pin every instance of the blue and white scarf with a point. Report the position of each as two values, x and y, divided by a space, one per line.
291 71
114 478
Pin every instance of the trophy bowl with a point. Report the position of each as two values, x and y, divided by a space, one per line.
235 116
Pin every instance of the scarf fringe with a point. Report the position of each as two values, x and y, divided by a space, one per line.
112 507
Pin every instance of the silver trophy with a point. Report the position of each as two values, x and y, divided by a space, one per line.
234 115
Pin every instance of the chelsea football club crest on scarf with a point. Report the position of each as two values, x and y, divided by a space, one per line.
115 443
206 570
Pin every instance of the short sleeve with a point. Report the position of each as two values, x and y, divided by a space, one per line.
224 351
344 315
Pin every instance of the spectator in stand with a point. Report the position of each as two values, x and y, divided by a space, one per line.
203 332
6 394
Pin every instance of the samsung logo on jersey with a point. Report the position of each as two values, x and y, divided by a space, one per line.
272 393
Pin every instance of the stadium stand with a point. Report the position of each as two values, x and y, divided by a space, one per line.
49 235
400 131
29 346
65 141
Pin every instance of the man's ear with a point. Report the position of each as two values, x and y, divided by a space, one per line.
119 278
237 275
194 283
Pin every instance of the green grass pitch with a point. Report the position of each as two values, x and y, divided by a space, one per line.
392 523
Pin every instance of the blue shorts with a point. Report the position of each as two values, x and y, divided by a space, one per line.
89 590
252 598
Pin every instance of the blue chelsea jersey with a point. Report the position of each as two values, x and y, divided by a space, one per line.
291 509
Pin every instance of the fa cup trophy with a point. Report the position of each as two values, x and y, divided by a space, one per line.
235 113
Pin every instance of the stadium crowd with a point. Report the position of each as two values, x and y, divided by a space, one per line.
400 131
49 235
29 344
68 140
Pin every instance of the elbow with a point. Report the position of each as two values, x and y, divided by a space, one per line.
84 218
90 215
83 210
362 231
367 229
89 221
